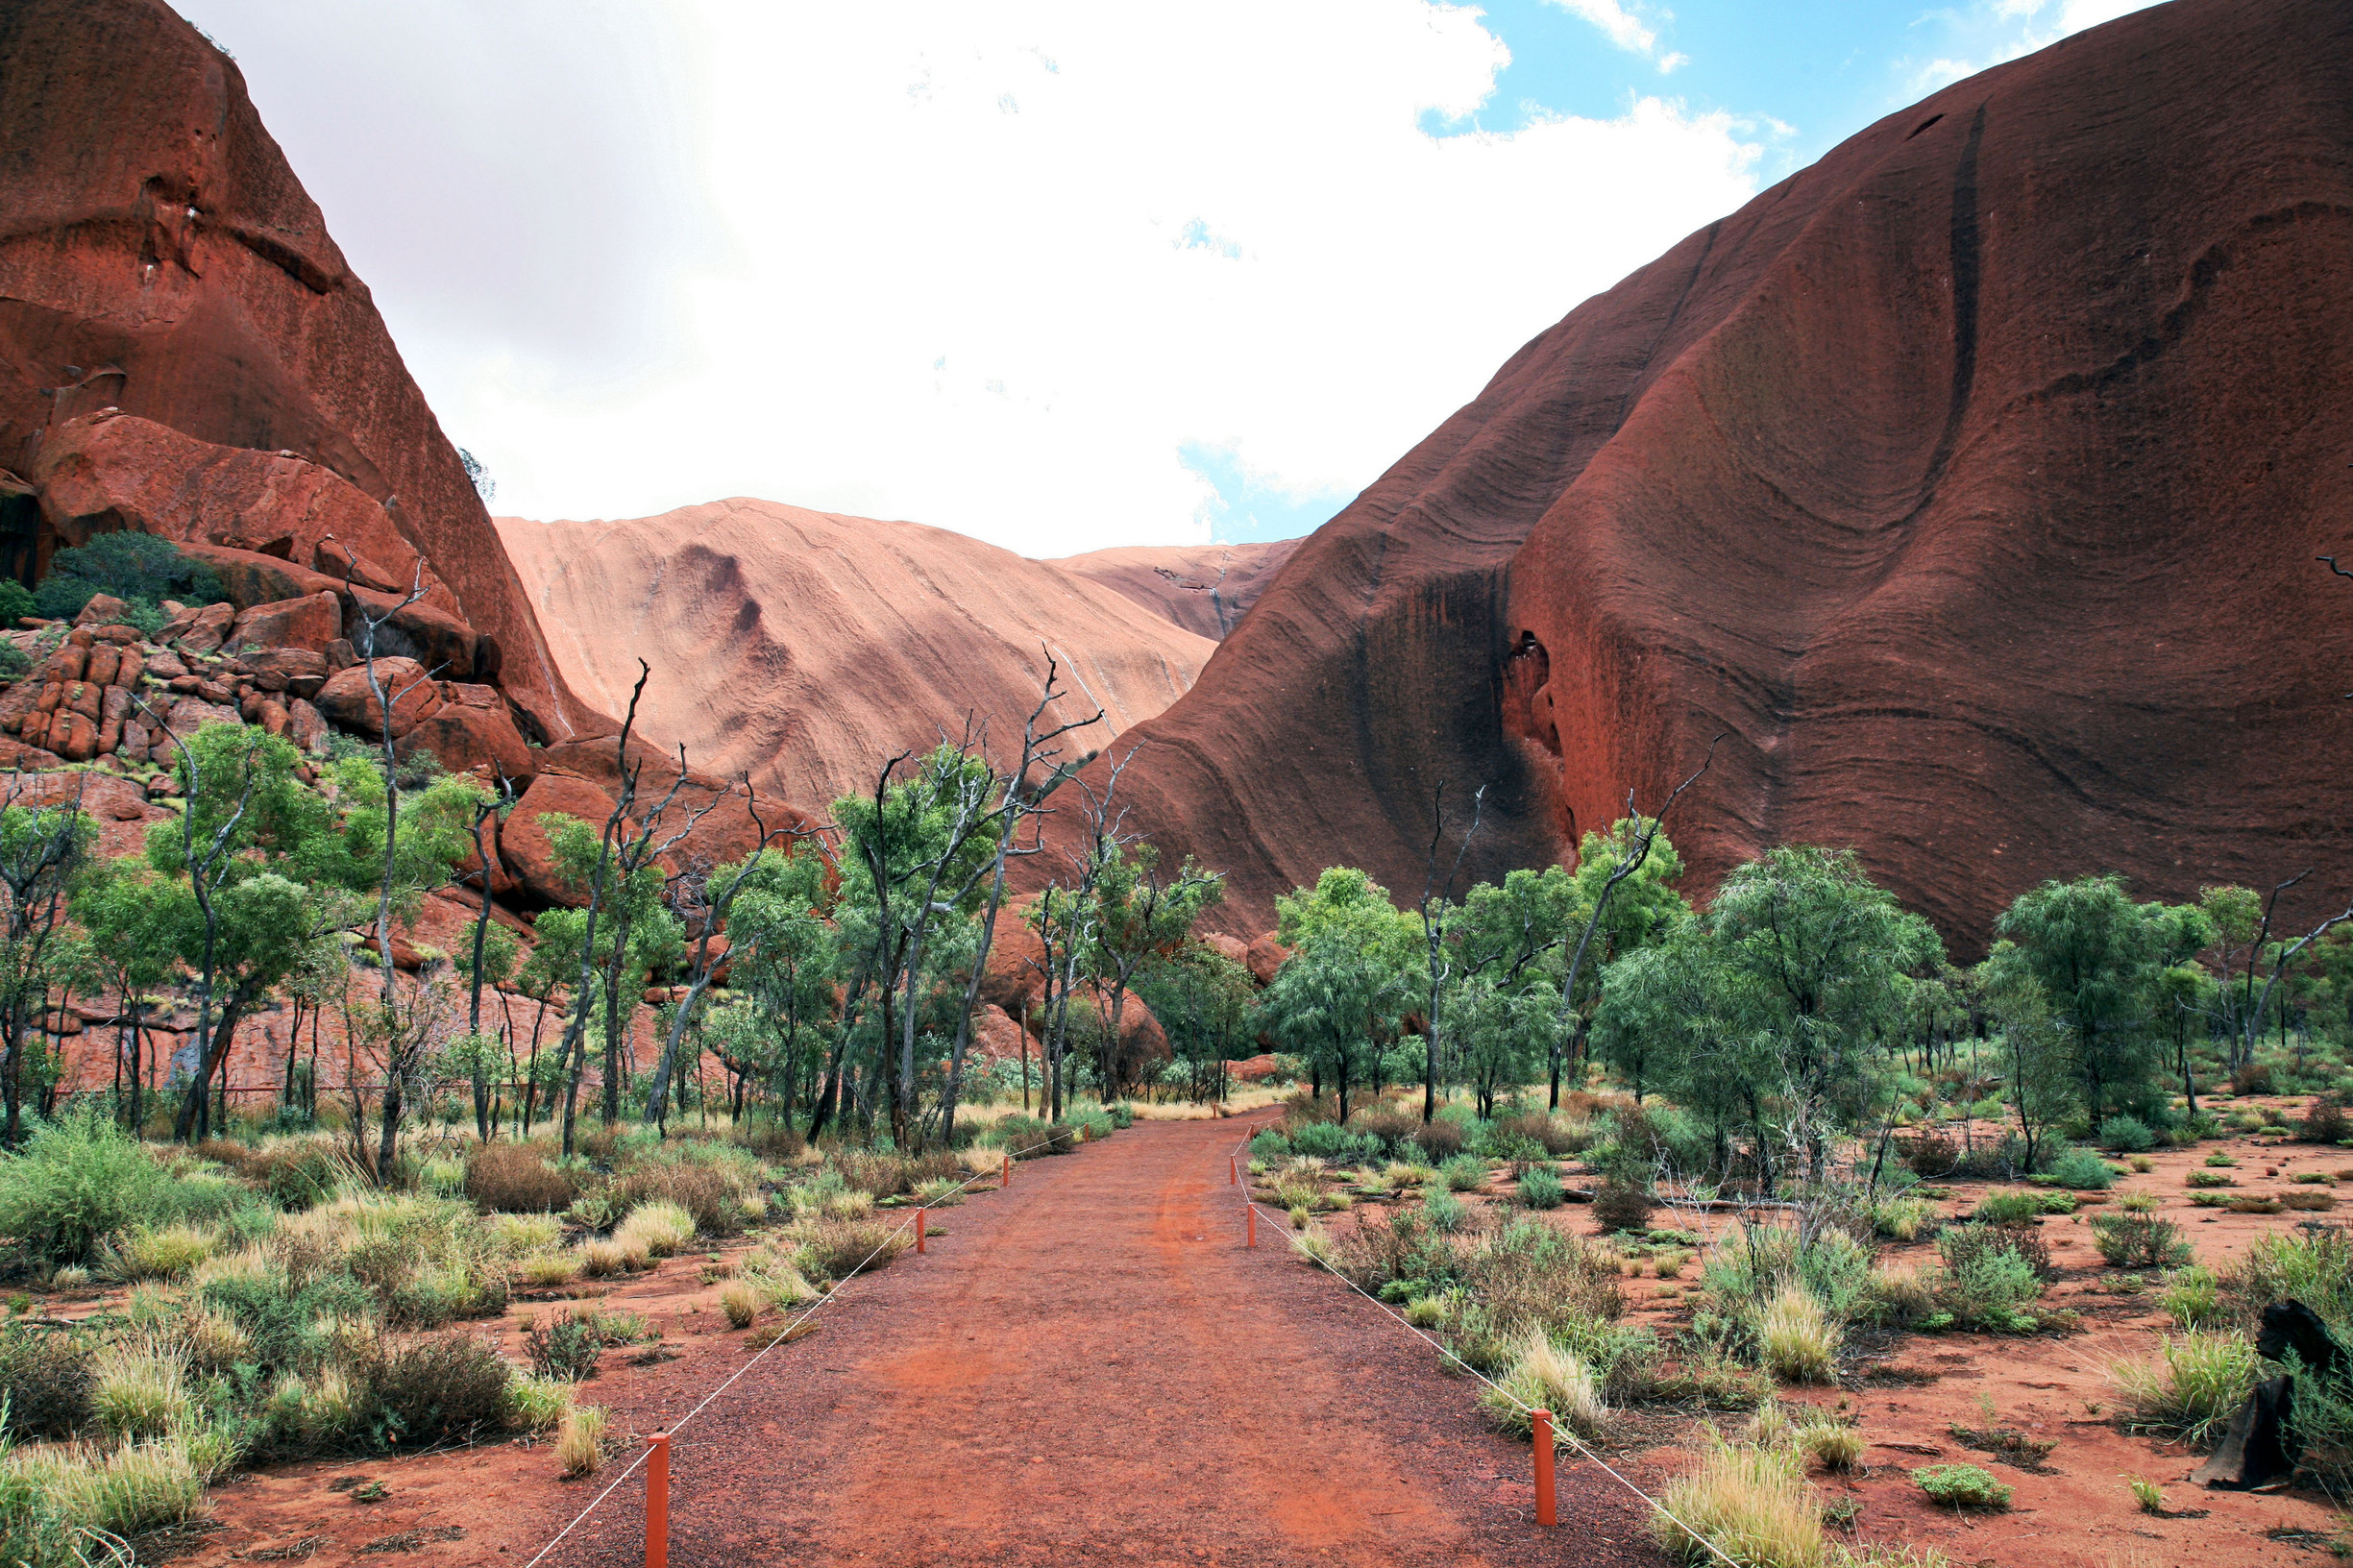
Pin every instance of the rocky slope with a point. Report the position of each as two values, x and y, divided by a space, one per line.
1969 482
183 349
804 648
1206 589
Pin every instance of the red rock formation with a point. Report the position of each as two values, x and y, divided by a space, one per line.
805 647
1969 481
159 257
1206 589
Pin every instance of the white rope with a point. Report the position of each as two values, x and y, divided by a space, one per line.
1526 1409
783 1335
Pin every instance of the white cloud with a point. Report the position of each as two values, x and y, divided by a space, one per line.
1992 32
997 272
1621 25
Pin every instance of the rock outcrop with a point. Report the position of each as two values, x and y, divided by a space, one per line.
185 349
1206 589
1969 482
803 648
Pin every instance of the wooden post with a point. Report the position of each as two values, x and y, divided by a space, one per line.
1547 1514
922 1218
1254 1223
1233 1171
657 1502
1005 1170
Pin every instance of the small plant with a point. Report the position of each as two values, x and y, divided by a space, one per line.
1963 1486
579 1441
1546 1376
1902 1219
1670 1263
2010 1208
2192 1389
2147 1494
2139 1242
2083 1170
742 1301
2141 1165
2127 1134
1833 1444
1464 1173
1795 1339
1621 1206
2193 1299
1743 1503
2139 1203
566 1348
2208 1177
1443 1209
1540 1187
2221 1159
2309 1200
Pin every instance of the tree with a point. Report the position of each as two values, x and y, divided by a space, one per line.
1203 1000
1501 1032
1139 916
41 849
2038 1054
1354 967
2098 957
786 959
125 913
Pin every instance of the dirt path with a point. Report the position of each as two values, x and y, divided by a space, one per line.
1091 1363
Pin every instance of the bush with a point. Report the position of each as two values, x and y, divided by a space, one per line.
1796 1341
2139 1242
1621 1206
1464 1173
1902 1219
660 1225
712 1201
1749 1504
2009 1209
511 1177
1556 1138
48 1381
1540 1189
1546 1376
2251 1078
1440 1140
2193 1300
79 1179
2207 1178
167 1253
2315 1268
1835 1445
1329 1141
2129 1135
1929 1153
440 1385
1988 1281
127 564
838 1248
140 1389
1962 1487
2193 1387
2083 1170
2326 1122
566 1348
579 1441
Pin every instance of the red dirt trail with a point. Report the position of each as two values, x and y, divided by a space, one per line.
1090 1363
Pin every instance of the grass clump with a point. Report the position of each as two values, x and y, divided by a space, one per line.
2083 1170
79 1180
1546 1376
1540 1187
1746 1502
1464 1173
1797 1341
2193 1388
2139 1241
579 1441
513 1178
48 1378
1963 1486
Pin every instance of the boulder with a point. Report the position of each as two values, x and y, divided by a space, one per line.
101 610
307 728
295 670
1231 949
191 714
1265 958
73 736
522 842
997 1037
1251 1069
466 738
348 698
308 623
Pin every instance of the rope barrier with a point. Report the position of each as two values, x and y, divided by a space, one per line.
1525 1408
783 1335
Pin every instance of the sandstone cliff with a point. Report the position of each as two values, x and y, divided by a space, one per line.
804 647
1969 481
1206 589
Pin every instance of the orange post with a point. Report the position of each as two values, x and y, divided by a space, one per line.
922 1218
1547 1514
657 1502
1233 1171
1254 1223
1005 1170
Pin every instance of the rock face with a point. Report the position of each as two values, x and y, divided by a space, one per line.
1206 589
804 647
161 260
1969 482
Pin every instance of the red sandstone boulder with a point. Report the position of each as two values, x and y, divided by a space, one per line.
1265 958
1231 949
306 623
466 738
348 699
522 840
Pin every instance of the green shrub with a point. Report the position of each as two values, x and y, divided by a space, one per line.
1464 1173
2083 1170
77 1180
1988 1281
129 565
565 1348
47 1379
440 1385
15 603
1328 1141
1796 1340
2192 1389
2208 1177
2314 1269
2193 1300
1747 1503
1962 1487
1902 1219
2139 1241
1443 1210
1270 1147
2009 1207
1621 1206
2128 1134
1540 1187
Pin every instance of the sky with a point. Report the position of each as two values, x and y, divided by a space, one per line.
1057 276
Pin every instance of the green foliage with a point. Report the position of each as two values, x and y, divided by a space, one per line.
2129 1135
1540 1187
1988 1281
2083 1170
79 1179
2193 1389
2098 959
129 565
1962 1487
15 603
2139 1242
1354 971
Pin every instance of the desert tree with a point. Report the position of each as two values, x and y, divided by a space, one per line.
1354 971
125 913
1440 958
42 848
